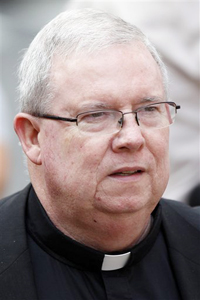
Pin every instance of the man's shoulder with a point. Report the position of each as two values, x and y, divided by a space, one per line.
12 227
181 212
181 229
181 224
8 201
15 260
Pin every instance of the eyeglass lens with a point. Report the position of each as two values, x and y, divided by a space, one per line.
109 121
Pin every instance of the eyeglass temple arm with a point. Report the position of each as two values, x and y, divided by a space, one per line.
57 118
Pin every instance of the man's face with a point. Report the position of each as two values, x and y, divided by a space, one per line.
91 174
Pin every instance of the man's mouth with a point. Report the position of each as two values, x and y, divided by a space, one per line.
127 173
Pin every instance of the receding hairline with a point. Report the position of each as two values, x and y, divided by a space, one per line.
74 60
71 33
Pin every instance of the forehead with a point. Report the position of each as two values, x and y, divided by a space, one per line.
126 72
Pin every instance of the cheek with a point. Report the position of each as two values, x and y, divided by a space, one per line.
73 162
159 148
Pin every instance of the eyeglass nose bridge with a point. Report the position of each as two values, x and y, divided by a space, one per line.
121 120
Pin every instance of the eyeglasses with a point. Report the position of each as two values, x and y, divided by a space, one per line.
155 115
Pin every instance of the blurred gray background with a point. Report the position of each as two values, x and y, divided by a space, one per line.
20 20
173 26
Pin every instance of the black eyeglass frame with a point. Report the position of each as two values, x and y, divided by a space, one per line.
121 121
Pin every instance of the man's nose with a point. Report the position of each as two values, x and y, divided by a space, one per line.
130 136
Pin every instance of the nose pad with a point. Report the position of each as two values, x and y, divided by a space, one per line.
120 122
136 119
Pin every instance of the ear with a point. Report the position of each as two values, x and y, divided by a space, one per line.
27 128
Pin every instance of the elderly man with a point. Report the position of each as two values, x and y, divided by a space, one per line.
94 125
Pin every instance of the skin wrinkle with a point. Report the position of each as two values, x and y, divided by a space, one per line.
124 149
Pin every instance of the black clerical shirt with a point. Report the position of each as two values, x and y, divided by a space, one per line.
67 270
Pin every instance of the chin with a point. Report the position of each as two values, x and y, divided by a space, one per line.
121 205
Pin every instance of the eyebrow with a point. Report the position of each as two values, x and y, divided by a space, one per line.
151 99
101 106
94 106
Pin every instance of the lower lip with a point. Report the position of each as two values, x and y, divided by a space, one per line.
127 178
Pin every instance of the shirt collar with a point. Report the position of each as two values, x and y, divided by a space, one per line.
70 252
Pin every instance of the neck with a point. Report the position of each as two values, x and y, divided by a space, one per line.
114 235
106 232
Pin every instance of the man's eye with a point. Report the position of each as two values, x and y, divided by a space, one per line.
95 117
151 109
98 115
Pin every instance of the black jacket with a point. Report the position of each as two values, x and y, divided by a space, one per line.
181 226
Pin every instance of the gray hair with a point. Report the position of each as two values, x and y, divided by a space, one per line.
71 33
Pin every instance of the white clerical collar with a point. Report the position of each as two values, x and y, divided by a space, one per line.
115 262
